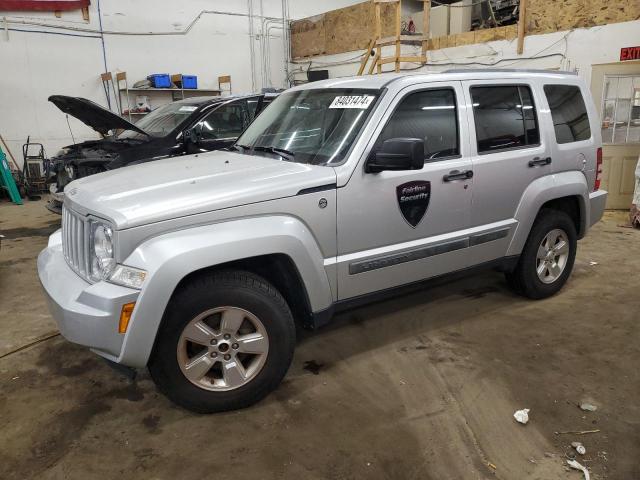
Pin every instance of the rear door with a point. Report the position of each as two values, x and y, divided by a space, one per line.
509 152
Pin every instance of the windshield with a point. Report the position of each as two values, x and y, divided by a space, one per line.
310 126
162 121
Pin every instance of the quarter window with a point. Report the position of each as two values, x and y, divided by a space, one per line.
505 117
430 115
569 114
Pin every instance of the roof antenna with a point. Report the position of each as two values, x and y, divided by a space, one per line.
70 131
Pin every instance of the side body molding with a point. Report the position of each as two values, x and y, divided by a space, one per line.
170 257
542 190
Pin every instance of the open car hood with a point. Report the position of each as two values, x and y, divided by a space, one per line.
92 114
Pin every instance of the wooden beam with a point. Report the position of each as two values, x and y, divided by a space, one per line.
522 14
365 57
398 33
416 59
375 63
378 34
426 6
403 38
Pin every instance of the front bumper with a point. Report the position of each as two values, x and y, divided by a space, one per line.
86 314
56 199
597 201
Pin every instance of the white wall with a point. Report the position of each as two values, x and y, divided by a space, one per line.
37 64
574 50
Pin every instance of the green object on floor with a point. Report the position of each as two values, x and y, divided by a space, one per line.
6 180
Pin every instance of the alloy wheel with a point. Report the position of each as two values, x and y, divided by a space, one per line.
222 348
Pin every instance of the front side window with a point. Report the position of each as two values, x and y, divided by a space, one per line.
310 126
431 116
505 117
621 109
226 121
568 112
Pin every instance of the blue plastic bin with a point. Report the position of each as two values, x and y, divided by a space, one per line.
189 81
160 80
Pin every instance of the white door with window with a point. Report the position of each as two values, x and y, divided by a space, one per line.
616 90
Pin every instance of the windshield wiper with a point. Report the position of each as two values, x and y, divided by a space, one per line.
289 155
237 146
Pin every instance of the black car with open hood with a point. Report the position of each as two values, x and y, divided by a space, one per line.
183 127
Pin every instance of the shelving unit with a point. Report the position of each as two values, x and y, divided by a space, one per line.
176 94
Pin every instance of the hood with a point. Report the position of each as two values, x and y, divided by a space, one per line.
92 114
180 186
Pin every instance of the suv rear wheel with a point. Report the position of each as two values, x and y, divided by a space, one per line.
547 258
227 340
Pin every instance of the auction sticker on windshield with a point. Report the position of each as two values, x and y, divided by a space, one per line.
352 101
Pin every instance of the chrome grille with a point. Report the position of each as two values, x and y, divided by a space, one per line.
75 241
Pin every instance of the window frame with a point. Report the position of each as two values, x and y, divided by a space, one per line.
535 116
603 104
456 115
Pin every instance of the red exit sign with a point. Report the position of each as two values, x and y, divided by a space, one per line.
629 53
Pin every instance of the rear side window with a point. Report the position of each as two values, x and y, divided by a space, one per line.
569 114
429 115
505 117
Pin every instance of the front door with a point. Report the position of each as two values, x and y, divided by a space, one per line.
398 227
222 126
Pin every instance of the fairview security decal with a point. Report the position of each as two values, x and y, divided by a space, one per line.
413 200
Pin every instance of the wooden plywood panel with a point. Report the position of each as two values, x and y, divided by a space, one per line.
351 28
551 16
308 37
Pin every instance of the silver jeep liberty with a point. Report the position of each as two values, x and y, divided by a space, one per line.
200 267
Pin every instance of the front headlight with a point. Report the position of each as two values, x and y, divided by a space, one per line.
102 258
103 263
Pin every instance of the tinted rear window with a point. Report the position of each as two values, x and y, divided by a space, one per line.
505 117
569 114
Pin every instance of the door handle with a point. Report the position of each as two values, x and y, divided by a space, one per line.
540 162
458 175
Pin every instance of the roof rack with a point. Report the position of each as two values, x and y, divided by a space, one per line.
508 70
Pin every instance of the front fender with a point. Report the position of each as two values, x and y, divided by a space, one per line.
542 190
171 257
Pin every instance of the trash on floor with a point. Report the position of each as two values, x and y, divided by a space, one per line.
579 447
522 416
592 263
577 432
588 405
578 466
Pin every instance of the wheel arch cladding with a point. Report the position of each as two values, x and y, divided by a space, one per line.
171 258
565 191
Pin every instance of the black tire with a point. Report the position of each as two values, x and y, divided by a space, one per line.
226 288
524 278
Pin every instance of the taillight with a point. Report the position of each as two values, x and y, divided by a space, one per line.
596 185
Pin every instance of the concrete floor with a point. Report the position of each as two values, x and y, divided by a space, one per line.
423 386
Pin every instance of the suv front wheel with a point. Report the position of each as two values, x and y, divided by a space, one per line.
226 341
547 258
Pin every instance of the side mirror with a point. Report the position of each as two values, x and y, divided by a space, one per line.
192 135
397 154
